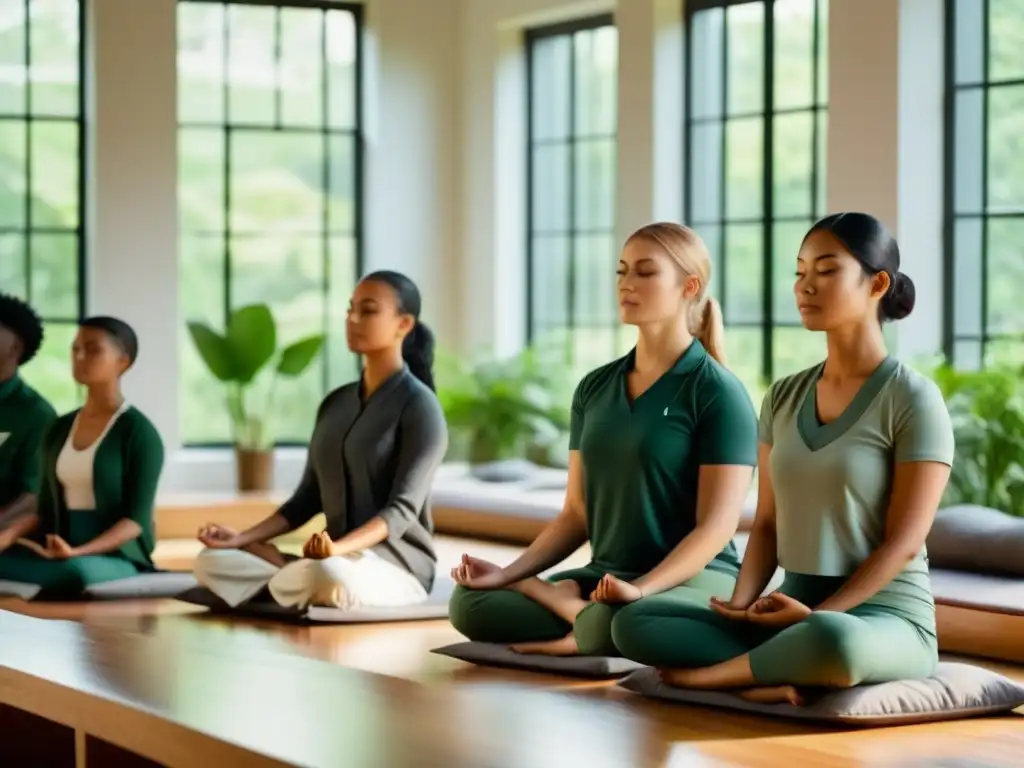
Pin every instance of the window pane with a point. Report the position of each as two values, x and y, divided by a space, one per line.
343 268
341 69
13 198
1005 275
968 135
593 346
12 60
549 96
594 282
1006 45
13 278
300 70
967 265
49 372
550 193
712 237
276 181
744 348
967 355
54 56
201 179
251 68
200 62
744 157
342 200
550 284
53 283
1005 160
795 350
595 184
969 30
1008 352
794 164
821 159
787 237
794 53
55 168
744 273
706 172
596 67
707 81
745 65
202 278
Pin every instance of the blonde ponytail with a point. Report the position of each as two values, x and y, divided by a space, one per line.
709 329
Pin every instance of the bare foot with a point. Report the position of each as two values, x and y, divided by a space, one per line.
776 694
678 678
564 647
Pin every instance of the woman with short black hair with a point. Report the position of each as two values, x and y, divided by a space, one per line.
101 466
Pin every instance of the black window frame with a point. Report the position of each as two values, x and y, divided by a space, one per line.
951 337
323 132
28 118
767 114
532 35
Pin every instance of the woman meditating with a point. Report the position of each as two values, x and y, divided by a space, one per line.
374 451
101 465
662 448
854 457
25 415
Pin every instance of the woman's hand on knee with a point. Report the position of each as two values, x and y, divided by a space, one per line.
219 537
612 590
729 609
474 573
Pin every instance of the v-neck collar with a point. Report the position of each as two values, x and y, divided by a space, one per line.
817 435
692 357
9 386
390 383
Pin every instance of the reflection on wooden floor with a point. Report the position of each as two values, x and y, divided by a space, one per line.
177 655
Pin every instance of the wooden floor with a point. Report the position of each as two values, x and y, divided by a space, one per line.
682 736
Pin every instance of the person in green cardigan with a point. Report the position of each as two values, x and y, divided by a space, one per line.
101 466
25 415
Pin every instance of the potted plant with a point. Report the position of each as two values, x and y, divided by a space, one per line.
247 348
513 408
987 411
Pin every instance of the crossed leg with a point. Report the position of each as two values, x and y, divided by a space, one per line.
563 599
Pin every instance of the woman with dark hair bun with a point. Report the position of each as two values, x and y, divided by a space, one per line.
377 443
101 465
854 456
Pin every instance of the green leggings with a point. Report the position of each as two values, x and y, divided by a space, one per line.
869 644
62 578
504 616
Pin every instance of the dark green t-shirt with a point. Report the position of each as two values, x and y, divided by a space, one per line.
25 415
641 460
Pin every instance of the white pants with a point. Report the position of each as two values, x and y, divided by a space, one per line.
362 580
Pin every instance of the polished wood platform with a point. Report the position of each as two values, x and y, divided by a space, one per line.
235 672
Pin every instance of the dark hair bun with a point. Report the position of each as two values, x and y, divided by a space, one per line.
899 301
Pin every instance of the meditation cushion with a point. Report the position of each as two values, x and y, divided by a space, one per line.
498 655
435 607
977 539
954 692
144 585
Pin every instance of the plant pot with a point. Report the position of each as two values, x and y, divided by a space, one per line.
254 470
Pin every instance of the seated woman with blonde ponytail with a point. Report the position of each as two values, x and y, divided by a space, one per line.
663 443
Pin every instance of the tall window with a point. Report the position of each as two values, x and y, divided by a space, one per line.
41 191
269 189
985 182
571 245
755 167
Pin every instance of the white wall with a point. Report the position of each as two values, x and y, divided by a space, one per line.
446 167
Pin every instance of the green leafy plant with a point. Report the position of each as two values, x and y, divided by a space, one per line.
504 408
987 411
237 358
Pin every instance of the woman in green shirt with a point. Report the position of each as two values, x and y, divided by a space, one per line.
662 448
101 465
854 457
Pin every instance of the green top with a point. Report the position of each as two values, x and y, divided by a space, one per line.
641 459
25 416
126 472
832 481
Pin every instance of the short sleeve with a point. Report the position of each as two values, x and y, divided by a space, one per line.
576 418
766 421
923 430
727 428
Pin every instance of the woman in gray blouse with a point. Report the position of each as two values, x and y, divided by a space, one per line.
376 446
